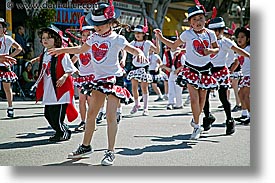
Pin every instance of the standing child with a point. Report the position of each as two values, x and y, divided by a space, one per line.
7 76
140 71
221 74
55 85
243 40
106 45
200 43
86 75
154 70
173 60
235 71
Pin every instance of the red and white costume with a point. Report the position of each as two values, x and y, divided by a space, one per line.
86 69
245 65
6 75
140 71
220 70
46 87
198 65
105 52
174 60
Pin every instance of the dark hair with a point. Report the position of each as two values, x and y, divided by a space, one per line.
244 30
18 28
218 29
51 34
3 24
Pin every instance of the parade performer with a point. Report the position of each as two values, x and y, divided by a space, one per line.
55 85
7 76
200 43
106 45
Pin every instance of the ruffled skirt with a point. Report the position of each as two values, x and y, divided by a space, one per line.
140 74
108 86
221 74
198 78
6 75
82 80
245 82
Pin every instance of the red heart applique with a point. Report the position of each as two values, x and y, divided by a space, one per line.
199 46
241 59
85 58
99 52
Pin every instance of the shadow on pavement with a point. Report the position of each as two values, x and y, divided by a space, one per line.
34 135
166 139
169 115
21 117
155 148
71 162
25 144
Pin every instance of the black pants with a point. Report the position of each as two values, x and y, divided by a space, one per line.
223 98
55 114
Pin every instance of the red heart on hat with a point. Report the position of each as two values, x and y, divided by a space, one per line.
99 51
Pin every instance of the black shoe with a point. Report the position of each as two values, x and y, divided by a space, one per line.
118 117
169 107
99 118
239 119
81 152
220 107
230 126
245 121
236 108
81 127
207 122
10 113
58 138
159 99
141 100
180 107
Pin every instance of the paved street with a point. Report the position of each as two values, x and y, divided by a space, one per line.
161 139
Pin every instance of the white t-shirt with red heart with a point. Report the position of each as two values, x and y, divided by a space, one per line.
85 63
219 59
195 44
105 51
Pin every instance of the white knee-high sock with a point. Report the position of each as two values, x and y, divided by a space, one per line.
145 101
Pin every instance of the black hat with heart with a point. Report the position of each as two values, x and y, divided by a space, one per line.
102 13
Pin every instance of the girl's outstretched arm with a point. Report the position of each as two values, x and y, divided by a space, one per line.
240 51
71 50
167 42
136 52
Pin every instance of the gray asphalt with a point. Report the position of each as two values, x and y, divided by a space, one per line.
160 139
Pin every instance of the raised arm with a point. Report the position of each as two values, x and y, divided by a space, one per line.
167 42
240 51
136 52
71 50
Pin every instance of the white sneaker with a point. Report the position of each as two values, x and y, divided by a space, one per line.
108 158
145 113
196 134
192 123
